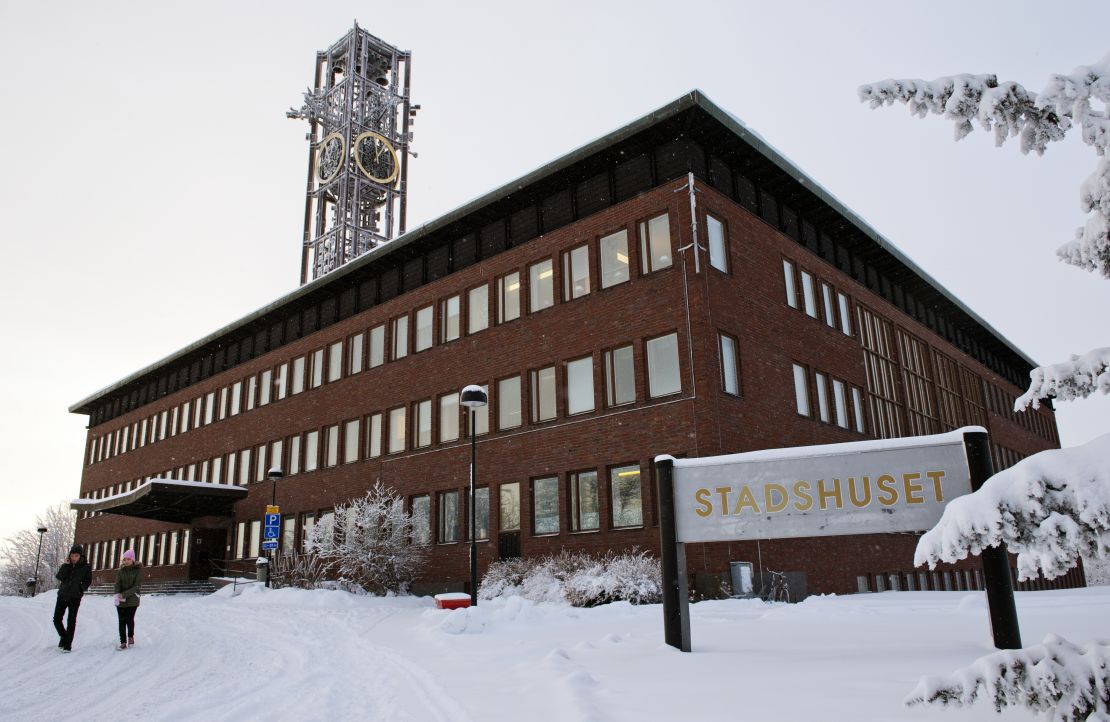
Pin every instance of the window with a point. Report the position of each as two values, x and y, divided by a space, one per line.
218 470
613 250
477 309
801 390
236 397
449 417
264 387
298 376
791 289
275 455
232 468
845 316
421 532
809 296
422 423
244 467
509 507
209 408
282 383
335 361
508 403
222 415
449 319
541 288
730 376
718 243
400 337
308 521
397 430
655 244
198 419
256 528
377 346
424 328
822 384
481 512
857 408
294 455
662 363
481 416
354 353
508 297
350 441
584 515
288 533
331 446
260 463
447 517
545 505
576 273
311 450
374 436
840 402
620 377
625 496
317 369
580 386
543 394
827 305
240 540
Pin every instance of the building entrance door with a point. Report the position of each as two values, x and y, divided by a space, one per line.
208 547
508 540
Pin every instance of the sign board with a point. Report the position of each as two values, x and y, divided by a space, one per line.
868 487
270 545
271 526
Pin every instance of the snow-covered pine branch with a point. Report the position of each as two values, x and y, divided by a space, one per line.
1010 110
1050 509
1076 378
1065 682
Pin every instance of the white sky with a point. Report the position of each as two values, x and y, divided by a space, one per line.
153 188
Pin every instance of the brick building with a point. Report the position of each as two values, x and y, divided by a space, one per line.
604 335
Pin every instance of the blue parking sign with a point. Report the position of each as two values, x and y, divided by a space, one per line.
271 526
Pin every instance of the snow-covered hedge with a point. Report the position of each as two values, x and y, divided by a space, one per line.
579 579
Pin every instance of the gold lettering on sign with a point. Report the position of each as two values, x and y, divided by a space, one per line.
724 491
769 504
834 493
888 495
913 491
705 507
936 476
859 503
745 499
801 490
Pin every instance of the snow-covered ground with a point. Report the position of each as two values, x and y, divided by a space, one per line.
298 655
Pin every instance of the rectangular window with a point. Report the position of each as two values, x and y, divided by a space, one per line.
447 517
884 389
580 385
350 441
244 467
620 377
256 533
374 437
543 394
809 296
265 384
281 384
662 363
331 440
218 470
584 515
655 244
260 463
397 430
294 455
508 403
718 243
198 418
545 505
509 506
308 521
311 451
730 368
354 353
421 531
317 369
424 329
576 273
481 416
840 402
801 390
209 408
827 305
477 309
541 289
233 468
276 449
223 411
788 278
481 512
252 385
400 337
449 417
626 496
335 361
508 297
298 376
288 533
845 316
422 423
377 346
241 540
822 384
449 319
613 250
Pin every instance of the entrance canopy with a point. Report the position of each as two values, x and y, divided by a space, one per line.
170 500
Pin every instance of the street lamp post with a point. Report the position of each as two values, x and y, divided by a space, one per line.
473 398
38 556
274 474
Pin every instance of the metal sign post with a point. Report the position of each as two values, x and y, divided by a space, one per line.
271 531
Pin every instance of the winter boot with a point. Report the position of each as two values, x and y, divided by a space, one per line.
130 641
122 645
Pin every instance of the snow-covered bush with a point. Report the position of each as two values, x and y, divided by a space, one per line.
577 578
20 553
369 542
1065 682
303 571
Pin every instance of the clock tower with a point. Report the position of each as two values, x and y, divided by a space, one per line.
358 114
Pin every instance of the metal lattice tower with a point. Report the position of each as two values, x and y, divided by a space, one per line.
358 113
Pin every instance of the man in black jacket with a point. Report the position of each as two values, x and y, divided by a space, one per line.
74 576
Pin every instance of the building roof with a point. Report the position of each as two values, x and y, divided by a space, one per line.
690 112
168 500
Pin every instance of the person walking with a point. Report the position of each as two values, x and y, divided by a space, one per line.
128 580
74 577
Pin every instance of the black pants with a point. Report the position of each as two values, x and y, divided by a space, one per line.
60 608
126 622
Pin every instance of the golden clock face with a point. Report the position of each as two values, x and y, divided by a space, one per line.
329 158
376 158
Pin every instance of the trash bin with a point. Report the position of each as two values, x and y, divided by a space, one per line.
262 569
31 584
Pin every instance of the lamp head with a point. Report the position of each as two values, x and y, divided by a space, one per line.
274 474
42 530
473 397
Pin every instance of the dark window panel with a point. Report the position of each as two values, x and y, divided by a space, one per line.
492 238
769 207
293 327
523 226
163 384
746 193
221 359
672 160
389 282
260 338
790 225
439 262
311 319
413 273
465 252
556 211
348 302
367 293
632 177
246 348
592 195
205 369
328 309
720 176
276 337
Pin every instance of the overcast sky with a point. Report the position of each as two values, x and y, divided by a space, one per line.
153 189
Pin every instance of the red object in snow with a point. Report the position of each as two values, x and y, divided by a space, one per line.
452 600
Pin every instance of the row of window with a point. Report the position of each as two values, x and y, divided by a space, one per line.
415 332
955 580
832 396
163 548
1036 421
830 305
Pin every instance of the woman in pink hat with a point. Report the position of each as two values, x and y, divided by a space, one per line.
128 580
